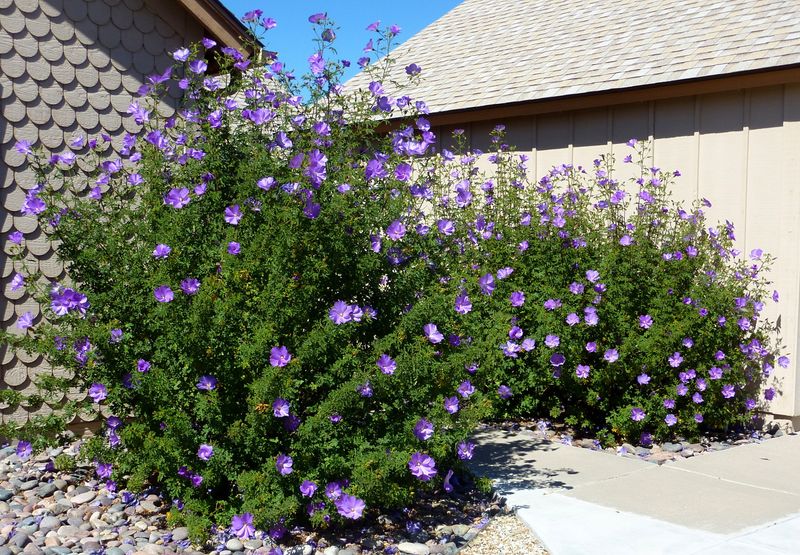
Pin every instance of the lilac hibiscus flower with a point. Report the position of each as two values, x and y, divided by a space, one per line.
207 383
432 333
242 526
279 356
350 507
98 392
422 466
284 464
205 451
386 364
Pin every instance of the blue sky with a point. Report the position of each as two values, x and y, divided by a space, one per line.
292 38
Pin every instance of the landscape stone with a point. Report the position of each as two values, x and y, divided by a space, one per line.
672 447
234 544
5 495
85 497
182 532
413 548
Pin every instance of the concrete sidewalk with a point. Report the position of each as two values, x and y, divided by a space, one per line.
744 500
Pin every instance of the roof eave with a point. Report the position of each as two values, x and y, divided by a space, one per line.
219 21
659 91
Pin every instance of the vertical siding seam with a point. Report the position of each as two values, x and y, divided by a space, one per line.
651 126
746 101
535 133
572 138
534 148
697 147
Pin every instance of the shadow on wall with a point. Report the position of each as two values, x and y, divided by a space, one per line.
676 117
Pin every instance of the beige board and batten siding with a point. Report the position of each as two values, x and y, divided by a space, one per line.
67 68
739 149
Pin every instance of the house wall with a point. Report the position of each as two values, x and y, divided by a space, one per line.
739 149
67 68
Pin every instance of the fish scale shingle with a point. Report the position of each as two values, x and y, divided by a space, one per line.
67 67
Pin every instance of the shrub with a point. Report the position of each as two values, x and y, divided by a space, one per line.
609 306
283 310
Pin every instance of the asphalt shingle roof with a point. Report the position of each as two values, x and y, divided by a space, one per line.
489 52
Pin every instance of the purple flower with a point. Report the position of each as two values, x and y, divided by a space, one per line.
783 361
645 321
517 298
552 341
582 371
207 383
204 452
451 405
24 450
279 356
284 464
142 365
25 321
161 251
552 304
333 491
396 230
350 507
163 294
198 66
611 355
463 304
573 319
714 373
557 359
728 391
448 487
697 398
465 389
242 526
386 364
432 333
592 275
266 183
423 429
503 273
341 313
504 392
190 286
308 488
486 283
16 237
675 360
671 419
769 393
233 214
234 248
643 379
422 466
181 54
637 414
177 197
446 227
669 404
98 392
465 450
591 347
280 408
104 470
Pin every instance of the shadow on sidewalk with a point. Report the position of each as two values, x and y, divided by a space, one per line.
509 459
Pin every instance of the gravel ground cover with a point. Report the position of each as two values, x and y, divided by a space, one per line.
658 453
43 510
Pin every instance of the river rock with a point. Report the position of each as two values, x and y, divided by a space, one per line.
234 544
85 497
414 548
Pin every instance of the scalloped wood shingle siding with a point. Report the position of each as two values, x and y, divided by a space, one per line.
67 67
